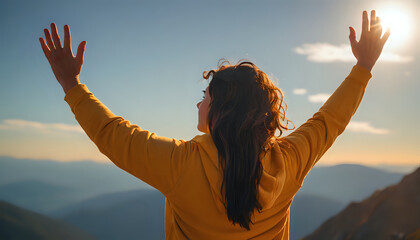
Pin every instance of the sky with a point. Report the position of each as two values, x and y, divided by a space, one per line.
144 60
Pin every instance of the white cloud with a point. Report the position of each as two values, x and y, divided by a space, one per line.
299 91
356 126
319 98
325 52
15 124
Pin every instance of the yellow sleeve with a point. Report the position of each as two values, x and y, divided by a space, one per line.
306 145
156 160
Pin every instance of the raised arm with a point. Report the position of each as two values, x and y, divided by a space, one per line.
156 160
307 144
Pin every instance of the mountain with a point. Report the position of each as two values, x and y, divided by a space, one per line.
36 195
18 223
391 213
127 215
44 186
346 182
91 177
308 212
104 201
59 189
327 190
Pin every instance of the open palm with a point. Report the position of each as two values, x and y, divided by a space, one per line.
65 66
368 49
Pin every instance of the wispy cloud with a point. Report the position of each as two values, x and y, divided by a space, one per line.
325 52
356 126
319 98
299 91
15 124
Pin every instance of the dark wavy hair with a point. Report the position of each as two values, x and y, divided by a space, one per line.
246 109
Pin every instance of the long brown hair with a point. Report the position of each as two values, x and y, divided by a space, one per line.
246 110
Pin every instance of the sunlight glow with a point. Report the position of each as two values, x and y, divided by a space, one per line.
399 22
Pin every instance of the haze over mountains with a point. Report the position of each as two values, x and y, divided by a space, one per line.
45 186
107 202
135 214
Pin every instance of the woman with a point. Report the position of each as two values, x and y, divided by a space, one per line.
236 181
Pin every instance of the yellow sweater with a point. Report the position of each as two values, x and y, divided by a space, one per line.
187 172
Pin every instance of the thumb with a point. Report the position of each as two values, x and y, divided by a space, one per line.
81 52
386 36
352 37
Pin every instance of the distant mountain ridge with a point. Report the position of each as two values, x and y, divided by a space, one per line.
81 174
104 201
89 189
44 186
18 223
391 213
347 182
138 214
37 195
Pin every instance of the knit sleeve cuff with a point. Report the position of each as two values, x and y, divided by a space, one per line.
361 74
74 95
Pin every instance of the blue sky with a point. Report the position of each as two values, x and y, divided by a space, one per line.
144 60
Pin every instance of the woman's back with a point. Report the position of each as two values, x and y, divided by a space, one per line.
195 209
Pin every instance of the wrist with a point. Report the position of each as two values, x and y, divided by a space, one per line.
69 83
367 66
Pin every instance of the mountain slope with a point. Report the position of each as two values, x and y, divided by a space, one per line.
18 223
387 214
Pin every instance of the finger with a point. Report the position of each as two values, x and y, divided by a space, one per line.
81 52
386 36
45 48
373 20
352 37
55 36
48 38
67 38
379 26
365 23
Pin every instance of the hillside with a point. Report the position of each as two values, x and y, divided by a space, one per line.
392 213
18 223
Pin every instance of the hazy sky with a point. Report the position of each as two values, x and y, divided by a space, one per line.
144 60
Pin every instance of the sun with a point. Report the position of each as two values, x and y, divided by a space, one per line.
399 22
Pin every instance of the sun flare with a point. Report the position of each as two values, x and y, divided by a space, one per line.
399 23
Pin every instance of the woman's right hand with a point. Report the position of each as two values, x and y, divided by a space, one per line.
368 49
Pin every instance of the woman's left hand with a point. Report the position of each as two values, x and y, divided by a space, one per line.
66 68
